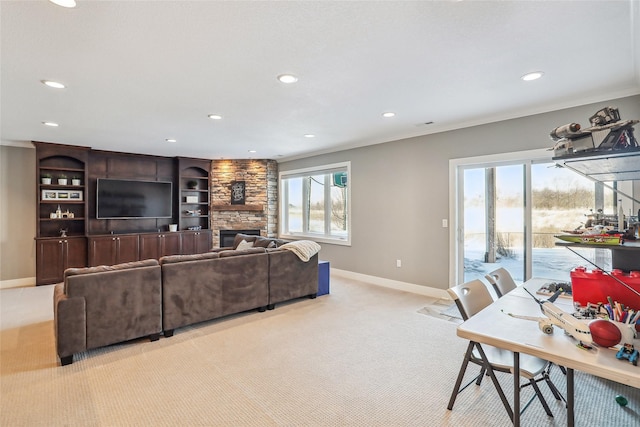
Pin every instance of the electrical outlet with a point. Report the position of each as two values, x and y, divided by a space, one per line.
445 223
398 263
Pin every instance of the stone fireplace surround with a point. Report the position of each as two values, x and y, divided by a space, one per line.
260 211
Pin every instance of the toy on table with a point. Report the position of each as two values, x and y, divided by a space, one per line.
627 351
605 333
555 316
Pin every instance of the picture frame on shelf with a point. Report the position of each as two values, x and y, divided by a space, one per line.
57 195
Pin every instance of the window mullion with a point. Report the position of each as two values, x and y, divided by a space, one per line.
327 204
285 203
306 203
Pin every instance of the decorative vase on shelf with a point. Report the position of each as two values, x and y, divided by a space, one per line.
46 180
62 181
75 181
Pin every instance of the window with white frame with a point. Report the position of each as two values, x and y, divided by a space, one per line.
315 203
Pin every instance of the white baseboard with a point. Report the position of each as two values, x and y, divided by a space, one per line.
18 283
393 284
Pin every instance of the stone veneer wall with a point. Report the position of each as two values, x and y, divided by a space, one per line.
261 181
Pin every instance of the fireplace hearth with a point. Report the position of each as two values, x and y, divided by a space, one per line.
227 236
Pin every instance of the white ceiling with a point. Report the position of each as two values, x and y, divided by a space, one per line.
139 72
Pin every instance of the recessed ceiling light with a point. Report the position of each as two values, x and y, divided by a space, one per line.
215 116
309 135
52 124
287 78
64 3
532 76
388 114
252 151
56 85
171 140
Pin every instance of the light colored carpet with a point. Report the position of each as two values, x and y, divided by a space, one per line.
361 356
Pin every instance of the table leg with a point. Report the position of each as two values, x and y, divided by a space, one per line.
516 389
570 415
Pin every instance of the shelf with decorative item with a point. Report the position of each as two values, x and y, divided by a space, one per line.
63 176
63 219
56 195
225 207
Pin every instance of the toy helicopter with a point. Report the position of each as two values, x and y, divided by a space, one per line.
560 318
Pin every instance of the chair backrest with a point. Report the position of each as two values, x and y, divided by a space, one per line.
501 281
470 297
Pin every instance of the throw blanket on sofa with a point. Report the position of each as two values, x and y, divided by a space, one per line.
304 249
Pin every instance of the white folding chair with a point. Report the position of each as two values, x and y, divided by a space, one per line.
501 281
470 298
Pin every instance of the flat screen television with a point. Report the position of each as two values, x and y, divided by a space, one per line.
125 198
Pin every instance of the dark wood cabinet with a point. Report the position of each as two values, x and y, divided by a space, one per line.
69 233
109 250
157 245
54 255
196 242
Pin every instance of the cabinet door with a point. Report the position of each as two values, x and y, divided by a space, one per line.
196 242
49 261
170 244
75 252
128 249
102 250
150 245
53 256
158 245
202 241
188 243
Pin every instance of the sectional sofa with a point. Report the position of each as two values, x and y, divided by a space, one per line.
104 305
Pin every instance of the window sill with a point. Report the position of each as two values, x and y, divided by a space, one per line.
316 238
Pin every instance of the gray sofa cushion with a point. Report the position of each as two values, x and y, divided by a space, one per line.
263 242
182 258
240 237
258 241
74 271
249 251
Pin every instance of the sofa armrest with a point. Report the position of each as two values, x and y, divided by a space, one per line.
70 323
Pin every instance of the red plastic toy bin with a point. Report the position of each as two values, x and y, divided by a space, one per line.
595 286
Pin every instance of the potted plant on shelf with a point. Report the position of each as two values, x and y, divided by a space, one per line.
62 179
75 180
192 184
45 178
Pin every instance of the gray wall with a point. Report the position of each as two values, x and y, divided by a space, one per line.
17 213
400 195
400 191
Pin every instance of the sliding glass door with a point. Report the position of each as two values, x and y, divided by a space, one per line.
507 214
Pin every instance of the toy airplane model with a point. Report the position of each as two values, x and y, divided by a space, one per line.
560 318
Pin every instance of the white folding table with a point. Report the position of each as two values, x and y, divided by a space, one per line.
493 326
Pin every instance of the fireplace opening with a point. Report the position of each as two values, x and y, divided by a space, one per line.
227 236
